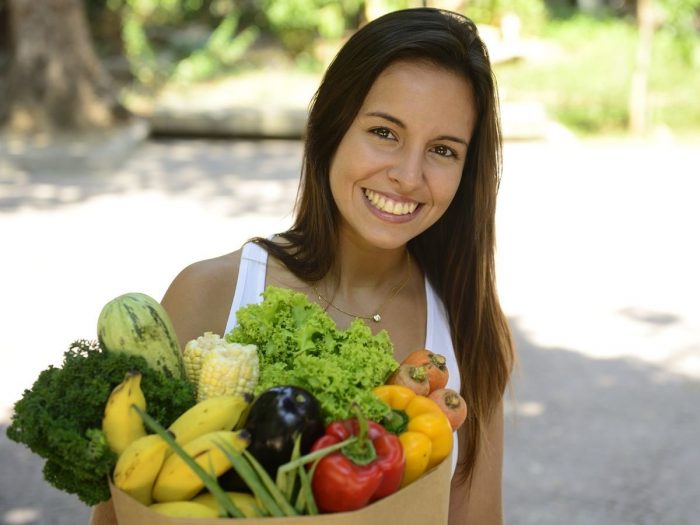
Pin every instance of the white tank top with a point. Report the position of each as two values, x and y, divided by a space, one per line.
251 284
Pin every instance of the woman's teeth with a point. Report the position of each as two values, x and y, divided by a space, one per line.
390 206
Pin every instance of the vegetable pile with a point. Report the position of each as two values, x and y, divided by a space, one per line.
284 416
299 344
60 417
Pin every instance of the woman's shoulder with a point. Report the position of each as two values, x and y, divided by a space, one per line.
209 271
200 296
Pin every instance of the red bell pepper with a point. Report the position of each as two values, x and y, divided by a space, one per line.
361 472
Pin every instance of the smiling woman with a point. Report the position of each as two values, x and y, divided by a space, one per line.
400 162
394 224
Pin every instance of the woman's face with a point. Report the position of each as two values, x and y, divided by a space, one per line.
398 167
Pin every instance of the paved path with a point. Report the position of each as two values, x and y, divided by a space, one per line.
596 271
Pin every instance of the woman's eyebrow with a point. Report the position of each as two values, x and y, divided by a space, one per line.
453 139
399 123
388 117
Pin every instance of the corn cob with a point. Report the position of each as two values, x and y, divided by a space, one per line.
218 368
194 352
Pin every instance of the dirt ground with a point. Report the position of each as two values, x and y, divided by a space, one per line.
597 273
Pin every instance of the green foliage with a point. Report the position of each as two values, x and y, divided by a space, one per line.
586 86
585 83
220 51
182 40
532 13
680 19
160 12
299 23
137 47
673 81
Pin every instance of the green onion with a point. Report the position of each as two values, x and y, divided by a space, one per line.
306 495
285 481
281 500
291 476
251 479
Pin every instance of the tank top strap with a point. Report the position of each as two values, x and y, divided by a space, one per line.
251 280
438 339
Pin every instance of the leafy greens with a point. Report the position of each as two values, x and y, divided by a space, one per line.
300 345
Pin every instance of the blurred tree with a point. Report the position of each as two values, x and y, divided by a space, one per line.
639 88
56 82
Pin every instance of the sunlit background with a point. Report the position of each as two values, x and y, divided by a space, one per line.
137 136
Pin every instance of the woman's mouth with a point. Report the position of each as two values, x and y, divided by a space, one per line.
387 205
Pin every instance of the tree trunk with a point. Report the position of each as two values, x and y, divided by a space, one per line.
56 83
638 106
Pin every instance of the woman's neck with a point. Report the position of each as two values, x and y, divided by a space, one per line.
360 268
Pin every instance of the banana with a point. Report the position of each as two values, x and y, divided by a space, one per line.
184 509
216 413
245 502
121 424
178 482
138 466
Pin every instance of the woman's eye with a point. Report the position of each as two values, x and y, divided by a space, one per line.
384 133
444 151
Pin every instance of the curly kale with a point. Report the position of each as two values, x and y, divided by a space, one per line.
60 417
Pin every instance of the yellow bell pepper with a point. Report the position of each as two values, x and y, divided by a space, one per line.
417 448
422 427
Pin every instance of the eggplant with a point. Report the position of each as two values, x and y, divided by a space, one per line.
275 418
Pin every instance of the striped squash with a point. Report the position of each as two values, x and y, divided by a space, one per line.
135 323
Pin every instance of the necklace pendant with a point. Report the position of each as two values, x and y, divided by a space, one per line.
376 318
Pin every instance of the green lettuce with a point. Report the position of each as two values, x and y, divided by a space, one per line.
300 345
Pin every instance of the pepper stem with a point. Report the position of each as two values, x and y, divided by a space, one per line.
362 451
396 421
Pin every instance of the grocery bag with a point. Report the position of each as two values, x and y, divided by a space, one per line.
423 502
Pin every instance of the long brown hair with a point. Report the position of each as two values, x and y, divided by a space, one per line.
457 252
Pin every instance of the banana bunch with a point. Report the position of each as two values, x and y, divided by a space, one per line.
247 503
121 424
206 506
215 413
138 466
148 470
184 509
176 481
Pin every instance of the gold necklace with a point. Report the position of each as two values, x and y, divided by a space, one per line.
377 317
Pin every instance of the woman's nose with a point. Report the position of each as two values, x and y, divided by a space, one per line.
407 171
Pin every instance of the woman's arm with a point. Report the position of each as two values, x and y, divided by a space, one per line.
481 504
103 514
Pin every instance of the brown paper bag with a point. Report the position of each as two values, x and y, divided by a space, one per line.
425 501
